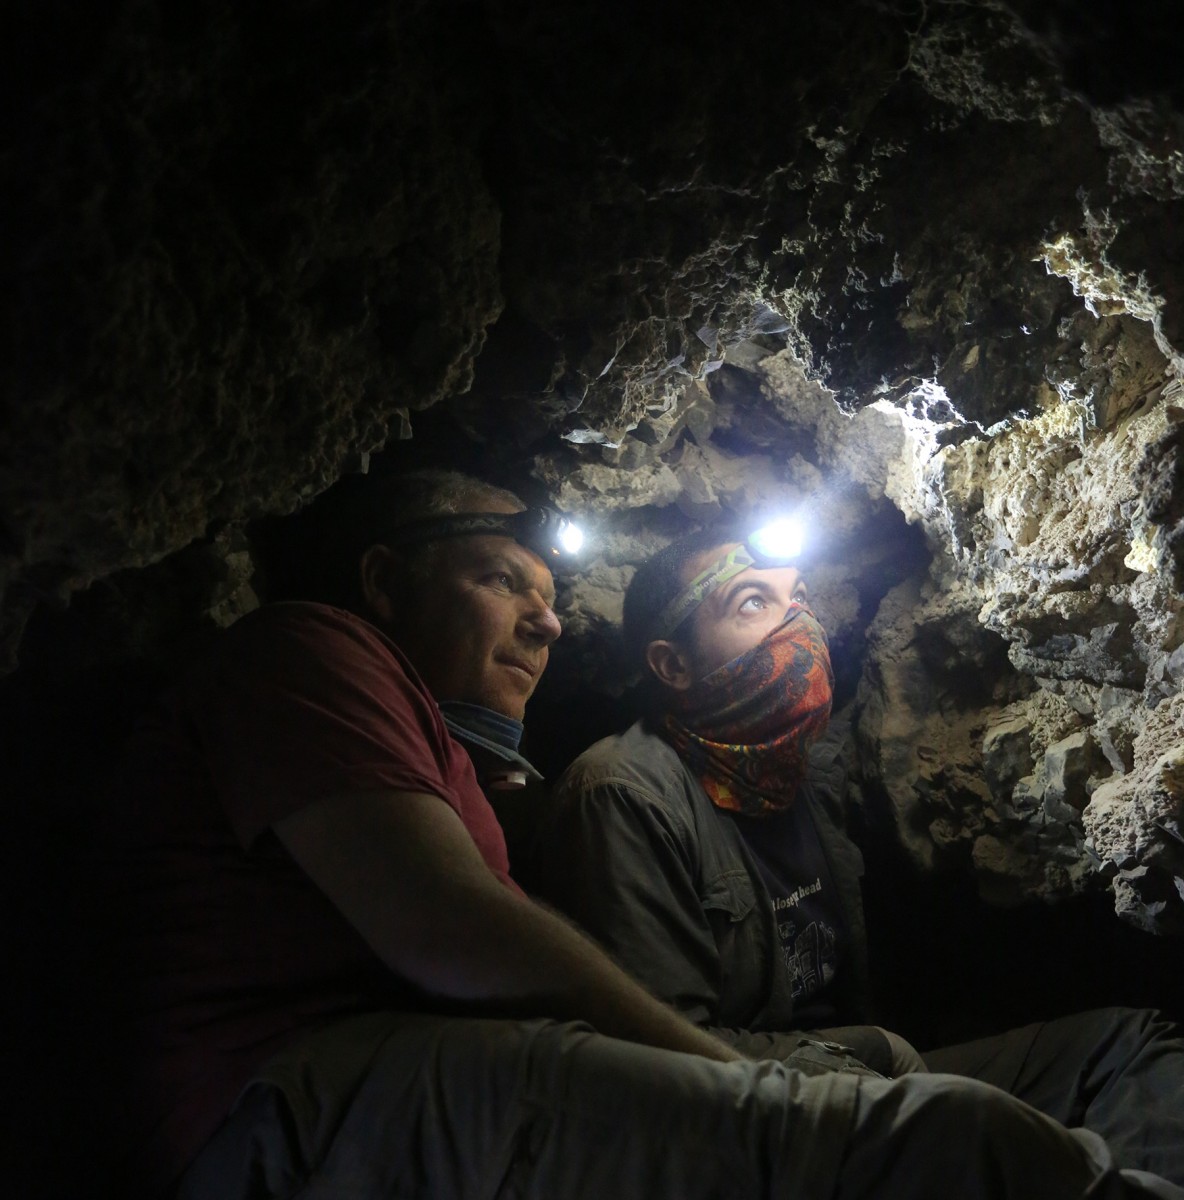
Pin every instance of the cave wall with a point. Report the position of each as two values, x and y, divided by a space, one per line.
1018 703
913 265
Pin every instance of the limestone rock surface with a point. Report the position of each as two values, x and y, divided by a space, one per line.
912 268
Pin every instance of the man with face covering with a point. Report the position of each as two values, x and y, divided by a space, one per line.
704 848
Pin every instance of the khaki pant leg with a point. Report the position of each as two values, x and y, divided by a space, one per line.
451 1109
1116 1071
930 1137
394 1107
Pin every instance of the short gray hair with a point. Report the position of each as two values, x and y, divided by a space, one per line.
315 555
432 493
435 493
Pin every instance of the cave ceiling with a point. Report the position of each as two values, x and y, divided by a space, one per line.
914 265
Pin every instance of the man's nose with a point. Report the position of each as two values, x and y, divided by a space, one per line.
539 623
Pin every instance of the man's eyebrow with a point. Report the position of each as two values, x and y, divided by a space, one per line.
739 584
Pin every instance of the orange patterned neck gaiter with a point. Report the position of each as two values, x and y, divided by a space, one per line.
746 729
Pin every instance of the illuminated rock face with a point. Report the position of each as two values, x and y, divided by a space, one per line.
1019 707
1044 548
919 270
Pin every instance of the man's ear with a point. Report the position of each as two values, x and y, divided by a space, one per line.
379 576
670 664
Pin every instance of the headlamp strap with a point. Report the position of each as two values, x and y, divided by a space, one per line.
536 528
453 525
719 572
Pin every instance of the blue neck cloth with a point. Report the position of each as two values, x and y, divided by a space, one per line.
473 725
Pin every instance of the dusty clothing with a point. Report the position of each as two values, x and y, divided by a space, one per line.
633 849
226 950
390 1106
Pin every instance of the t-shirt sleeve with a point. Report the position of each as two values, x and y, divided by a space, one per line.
305 702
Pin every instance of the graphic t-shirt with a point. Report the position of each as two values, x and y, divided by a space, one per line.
806 905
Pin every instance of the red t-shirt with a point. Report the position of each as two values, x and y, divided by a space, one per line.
224 950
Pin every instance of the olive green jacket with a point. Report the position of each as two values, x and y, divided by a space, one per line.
632 849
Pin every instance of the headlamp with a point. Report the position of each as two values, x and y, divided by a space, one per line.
554 537
776 544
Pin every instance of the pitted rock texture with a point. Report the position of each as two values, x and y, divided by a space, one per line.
1025 664
915 267
1134 825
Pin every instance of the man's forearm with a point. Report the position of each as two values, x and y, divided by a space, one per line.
404 871
528 959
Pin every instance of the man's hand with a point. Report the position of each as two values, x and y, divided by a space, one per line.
403 870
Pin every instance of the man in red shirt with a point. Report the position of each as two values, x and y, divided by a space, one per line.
342 992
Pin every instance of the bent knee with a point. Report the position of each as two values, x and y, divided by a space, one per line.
948 1134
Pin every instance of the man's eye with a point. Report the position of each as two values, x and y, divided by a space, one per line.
753 604
500 579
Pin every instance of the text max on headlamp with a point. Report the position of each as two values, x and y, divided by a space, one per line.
554 537
778 543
